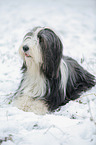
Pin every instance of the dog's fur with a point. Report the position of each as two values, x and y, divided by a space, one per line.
49 79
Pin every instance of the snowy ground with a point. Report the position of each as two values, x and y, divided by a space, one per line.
75 23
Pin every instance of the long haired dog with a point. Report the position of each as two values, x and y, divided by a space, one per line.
49 79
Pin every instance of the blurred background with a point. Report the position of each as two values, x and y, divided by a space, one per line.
73 20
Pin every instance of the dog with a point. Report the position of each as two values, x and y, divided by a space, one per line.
49 79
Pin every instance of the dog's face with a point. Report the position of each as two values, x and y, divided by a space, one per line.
30 49
42 47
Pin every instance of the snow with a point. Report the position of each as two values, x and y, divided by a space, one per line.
75 23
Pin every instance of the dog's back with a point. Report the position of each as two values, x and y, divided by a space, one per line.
78 79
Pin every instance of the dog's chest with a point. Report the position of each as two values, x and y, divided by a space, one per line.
29 94
32 87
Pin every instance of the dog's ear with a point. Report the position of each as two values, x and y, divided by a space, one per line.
51 48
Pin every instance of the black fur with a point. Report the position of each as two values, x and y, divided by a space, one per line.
51 52
78 79
56 96
24 67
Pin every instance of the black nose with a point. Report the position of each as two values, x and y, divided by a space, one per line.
25 48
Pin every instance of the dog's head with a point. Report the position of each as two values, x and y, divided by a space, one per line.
42 47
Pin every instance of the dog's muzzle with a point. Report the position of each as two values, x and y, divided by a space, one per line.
25 49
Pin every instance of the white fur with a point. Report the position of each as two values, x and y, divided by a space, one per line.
34 84
26 103
64 75
34 51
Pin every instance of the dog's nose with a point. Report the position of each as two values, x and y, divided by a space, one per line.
25 48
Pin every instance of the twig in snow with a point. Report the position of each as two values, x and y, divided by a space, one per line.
53 126
5 139
91 116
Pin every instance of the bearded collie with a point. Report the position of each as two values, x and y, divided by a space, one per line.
49 79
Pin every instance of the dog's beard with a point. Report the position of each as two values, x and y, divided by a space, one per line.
28 62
